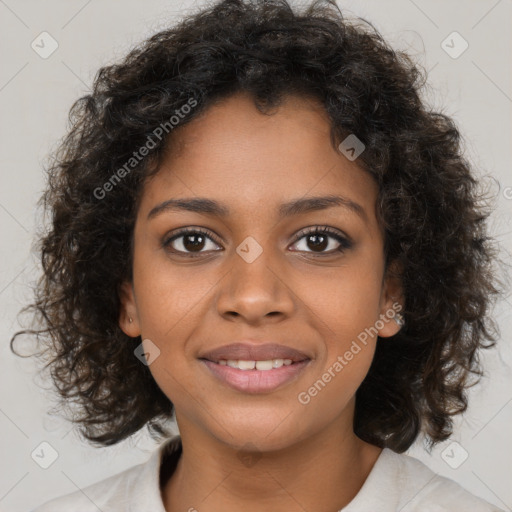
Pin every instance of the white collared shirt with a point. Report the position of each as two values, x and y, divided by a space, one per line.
397 482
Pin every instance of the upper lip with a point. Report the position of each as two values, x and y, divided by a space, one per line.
254 352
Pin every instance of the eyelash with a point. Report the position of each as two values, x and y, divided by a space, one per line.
344 242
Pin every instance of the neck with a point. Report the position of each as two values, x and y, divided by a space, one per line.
323 472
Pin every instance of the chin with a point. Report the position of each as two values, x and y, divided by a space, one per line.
267 436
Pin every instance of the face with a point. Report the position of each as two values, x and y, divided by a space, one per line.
309 277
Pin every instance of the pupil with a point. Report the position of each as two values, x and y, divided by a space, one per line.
197 244
318 245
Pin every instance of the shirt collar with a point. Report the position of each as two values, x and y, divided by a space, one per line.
375 494
145 493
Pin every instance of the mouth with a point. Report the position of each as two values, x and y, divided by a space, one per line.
259 352
265 365
255 368
254 380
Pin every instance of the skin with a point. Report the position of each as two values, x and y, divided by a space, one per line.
304 457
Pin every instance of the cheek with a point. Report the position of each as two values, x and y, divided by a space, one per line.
168 296
341 370
331 393
345 301
346 308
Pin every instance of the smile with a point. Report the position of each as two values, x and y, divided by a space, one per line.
255 376
242 364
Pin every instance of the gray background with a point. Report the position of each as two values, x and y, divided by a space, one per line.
35 96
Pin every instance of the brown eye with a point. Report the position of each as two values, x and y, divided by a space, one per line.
318 239
189 241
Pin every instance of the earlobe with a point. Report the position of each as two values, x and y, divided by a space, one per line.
391 314
128 319
392 321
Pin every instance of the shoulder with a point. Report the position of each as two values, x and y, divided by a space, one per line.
96 497
136 488
424 490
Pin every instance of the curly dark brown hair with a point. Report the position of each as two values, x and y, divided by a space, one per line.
429 203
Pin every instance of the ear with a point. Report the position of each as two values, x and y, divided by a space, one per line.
392 300
128 310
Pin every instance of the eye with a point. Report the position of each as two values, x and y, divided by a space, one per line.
317 238
188 241
192 242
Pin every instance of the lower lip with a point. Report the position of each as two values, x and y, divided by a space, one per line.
255 381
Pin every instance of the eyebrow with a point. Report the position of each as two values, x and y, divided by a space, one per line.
295 207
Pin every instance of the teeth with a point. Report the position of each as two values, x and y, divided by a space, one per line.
268 365
247 365
242 364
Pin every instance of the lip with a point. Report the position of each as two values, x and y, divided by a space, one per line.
254 352
256 381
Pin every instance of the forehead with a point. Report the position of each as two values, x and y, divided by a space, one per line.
240 157
236 126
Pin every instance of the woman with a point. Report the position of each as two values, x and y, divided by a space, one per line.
258 227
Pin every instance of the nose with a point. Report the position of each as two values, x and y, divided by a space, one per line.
255 291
